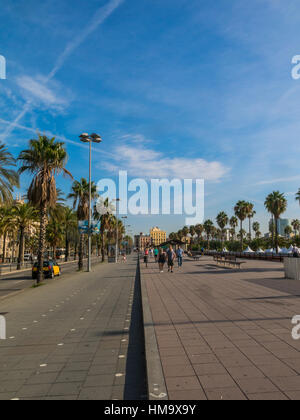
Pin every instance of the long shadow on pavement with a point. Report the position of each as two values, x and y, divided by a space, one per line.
136 372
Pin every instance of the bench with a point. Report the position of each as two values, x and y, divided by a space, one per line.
229 260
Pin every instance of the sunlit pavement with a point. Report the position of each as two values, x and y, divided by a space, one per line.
69 338
223 333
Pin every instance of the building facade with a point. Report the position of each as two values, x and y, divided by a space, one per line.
158 236
142 241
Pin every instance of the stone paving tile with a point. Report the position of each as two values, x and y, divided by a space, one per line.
228 394
231 327
73 349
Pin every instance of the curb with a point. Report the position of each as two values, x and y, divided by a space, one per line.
157 389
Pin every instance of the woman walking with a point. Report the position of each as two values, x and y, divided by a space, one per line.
161 260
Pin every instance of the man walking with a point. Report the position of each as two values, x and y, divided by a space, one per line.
171 256
179 256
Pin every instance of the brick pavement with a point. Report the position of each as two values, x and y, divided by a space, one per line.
69 339
223 333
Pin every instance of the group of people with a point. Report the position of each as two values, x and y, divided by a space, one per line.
163 256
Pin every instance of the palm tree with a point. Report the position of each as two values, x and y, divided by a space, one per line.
55 234
298 196
296 226
233 222
80 196
199 229
208 228
276 204
256 227
241 212
6 225
70 224
250 214
23 216
44 159
287 231
8 177
222 220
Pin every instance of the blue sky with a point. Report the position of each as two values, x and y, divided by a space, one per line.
187 88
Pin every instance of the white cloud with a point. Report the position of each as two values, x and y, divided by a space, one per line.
36 90
279 180
143 162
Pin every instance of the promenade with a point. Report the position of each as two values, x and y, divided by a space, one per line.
71 339
221 333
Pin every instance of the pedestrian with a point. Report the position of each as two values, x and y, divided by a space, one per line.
156 254
161 260
171 256
295 252
146 257
179 256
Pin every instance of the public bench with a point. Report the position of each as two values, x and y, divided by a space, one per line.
228 260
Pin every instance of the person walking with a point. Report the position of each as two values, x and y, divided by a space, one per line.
156 254
171 256
146 257
161 260
179 256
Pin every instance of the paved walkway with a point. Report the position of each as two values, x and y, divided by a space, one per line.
225 334
70 338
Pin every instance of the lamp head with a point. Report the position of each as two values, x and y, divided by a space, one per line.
84 137
96 138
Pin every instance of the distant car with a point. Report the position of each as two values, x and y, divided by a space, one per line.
27 257
51 269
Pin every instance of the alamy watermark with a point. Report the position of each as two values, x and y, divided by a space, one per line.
296 329
296 68
153 197
2 328
2 67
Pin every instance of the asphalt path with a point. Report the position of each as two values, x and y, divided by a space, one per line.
13 283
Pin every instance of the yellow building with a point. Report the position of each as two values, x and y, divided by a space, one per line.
158 236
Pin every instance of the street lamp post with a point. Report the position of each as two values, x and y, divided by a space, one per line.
93 138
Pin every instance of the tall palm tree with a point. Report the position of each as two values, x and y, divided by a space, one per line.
241 212
44 159
7 225
199 230
9 178
54 234
24 215
287 231
222 221
276 204
208 228
233 222
256 228
70 224
298 196
80 195
296 226
250 214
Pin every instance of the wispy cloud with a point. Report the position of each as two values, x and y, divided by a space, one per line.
98 19
35 90
145 162
279 180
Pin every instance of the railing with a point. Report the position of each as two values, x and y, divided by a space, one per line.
250 256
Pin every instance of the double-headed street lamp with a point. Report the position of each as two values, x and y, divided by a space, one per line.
93 138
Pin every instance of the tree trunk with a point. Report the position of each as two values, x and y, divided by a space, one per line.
4 247
242 237
75 250
41 251
67 249
276 235
81 245
250 233
21 249
102 248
